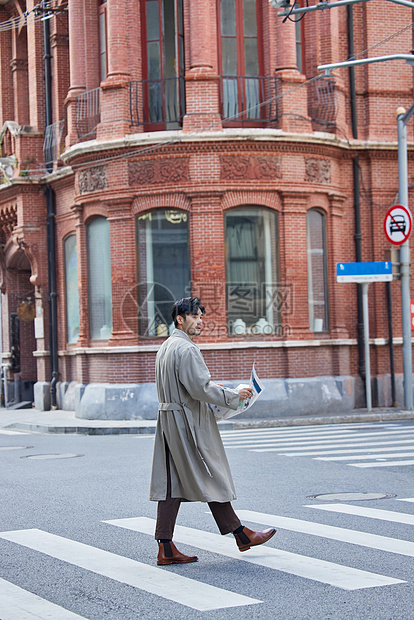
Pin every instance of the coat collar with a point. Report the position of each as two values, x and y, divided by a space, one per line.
178 333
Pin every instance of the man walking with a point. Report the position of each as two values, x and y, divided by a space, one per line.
189 462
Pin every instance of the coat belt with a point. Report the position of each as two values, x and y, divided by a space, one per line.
177 407
170 406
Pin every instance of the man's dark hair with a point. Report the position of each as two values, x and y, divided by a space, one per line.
185 306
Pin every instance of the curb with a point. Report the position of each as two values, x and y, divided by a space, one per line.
119 429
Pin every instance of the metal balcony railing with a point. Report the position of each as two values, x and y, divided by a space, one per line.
52 145
88 113
248 100
157 104
323 106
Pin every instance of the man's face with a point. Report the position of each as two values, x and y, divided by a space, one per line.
191 324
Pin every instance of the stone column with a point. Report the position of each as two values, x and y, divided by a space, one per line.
123 273
208 272
115 111
293 248
20 89
76 66
202 80
292 103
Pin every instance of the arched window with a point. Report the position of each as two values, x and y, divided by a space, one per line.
71 288
163 268
317 270
99 278
251 245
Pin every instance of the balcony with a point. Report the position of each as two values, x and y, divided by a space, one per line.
88 113
248 101
157 104
322 99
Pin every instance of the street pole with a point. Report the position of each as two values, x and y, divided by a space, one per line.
402 119
366 345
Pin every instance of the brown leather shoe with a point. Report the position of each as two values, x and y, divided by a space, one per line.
169 554
247 538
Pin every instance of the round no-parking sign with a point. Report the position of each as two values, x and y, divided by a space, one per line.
397 224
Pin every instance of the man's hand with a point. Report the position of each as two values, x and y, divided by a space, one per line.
245 392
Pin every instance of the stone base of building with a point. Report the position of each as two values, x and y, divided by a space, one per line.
282 398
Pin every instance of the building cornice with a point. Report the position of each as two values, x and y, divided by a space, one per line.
142 141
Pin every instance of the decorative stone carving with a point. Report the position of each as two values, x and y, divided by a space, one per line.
158 171
317 170
93 179
250 167
8 218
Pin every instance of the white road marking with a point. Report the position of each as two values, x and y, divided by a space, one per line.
406 499
5 432
322 571
158 581
288 443
371 513
310 450
384 464
392 455
312 453
354 537
19 604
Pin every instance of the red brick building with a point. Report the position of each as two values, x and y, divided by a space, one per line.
153 149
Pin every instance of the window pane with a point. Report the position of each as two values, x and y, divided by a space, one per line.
251 59
164 268
251 270
154 61
99 279
228 18
153 29
298 26
317 274
229 57
71 288
102 35
249 18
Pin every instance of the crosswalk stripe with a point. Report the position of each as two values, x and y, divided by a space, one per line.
354 537
361 457
5 432
288 451
372 513
183 590
19 604
313 453
321 437
406 499
383 464
288 443
285 435
322 571
309 429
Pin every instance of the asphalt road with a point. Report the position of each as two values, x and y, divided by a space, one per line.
76 531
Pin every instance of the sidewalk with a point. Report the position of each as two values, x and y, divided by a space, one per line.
64 422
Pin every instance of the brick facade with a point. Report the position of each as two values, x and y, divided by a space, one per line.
297 157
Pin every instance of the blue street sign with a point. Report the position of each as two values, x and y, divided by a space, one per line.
364 272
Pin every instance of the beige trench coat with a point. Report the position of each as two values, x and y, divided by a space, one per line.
198 463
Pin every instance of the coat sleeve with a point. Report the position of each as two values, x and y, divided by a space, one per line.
195 377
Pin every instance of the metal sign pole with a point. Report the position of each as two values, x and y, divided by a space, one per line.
402 119
365 286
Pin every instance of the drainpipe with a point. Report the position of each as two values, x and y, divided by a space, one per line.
51 239
357 201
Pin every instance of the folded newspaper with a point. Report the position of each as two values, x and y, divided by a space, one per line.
224 413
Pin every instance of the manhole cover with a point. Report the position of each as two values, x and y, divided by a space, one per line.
350 497
51 456
15 447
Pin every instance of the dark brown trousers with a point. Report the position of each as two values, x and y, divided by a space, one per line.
223 513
